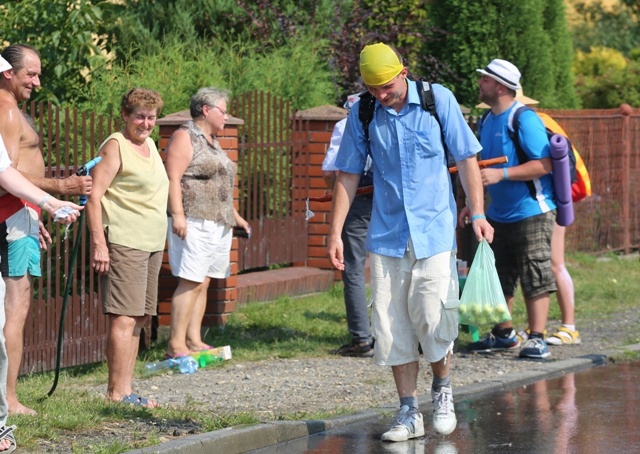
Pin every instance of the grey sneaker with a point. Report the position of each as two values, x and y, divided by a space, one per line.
409 424
444 415
535 348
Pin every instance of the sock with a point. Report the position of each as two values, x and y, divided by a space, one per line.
569 327
411 402
440 382
501 332
534 335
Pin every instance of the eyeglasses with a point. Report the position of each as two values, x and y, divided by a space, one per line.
223 112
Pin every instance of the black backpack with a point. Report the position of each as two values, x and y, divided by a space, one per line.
427 100
513 127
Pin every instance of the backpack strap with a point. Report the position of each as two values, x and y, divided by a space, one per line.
365 111
428 102
513 126
481 122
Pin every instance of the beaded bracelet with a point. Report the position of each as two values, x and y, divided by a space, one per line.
506 174
478 216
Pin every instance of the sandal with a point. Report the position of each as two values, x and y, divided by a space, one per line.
137 401
206 347
6 433
564 336
176 355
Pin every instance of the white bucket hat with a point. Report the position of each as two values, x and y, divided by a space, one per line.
4 65
503 72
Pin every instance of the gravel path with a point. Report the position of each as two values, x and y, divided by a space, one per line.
277 388
280 387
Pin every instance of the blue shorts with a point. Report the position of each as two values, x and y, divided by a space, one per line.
20 244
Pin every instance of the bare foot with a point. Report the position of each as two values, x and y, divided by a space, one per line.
7 440
4 445
176 350
19 409
199 347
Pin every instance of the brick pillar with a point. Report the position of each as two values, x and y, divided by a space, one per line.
221 297
320 121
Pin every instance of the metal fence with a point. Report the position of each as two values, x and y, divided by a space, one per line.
609 143
69 139
271 174
268 177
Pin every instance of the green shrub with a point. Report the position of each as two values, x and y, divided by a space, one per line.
294 72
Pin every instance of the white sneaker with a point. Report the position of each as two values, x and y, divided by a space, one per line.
409 424
444 415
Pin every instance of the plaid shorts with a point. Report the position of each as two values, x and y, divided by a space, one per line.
523 251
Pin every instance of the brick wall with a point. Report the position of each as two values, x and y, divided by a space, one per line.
320 121
313 128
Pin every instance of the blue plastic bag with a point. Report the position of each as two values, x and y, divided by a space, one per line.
482 301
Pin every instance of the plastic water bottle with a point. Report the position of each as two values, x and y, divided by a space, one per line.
206 358
188 364
160 365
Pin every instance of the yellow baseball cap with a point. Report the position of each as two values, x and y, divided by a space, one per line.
379 64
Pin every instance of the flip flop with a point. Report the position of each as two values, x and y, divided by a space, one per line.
136 401
204 349
176 355
6 433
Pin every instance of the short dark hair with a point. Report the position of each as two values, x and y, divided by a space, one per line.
15 53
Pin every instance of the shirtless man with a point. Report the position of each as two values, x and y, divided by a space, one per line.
21 233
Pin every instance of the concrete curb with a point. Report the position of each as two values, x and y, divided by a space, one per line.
236 440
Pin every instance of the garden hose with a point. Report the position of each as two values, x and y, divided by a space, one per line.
83 171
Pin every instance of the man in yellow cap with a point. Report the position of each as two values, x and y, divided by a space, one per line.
411 237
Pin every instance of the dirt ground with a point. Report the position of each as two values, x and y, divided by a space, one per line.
273 389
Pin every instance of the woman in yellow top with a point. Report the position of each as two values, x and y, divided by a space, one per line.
128 222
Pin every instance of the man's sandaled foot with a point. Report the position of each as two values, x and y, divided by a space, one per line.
138 401
19 409
7 440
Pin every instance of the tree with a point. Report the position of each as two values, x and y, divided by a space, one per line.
562 76
63 33
479 31
616 28
402 24
607 79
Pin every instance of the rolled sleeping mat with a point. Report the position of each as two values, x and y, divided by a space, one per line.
562 179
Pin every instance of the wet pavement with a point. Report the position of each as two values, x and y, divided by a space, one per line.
590 411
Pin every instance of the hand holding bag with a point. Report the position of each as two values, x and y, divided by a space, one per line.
482 301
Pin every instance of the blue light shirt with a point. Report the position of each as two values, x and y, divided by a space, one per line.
511 200
413 195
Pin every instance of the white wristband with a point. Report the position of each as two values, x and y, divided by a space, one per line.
44 200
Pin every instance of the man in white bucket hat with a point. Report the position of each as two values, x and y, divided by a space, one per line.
522 214
566 334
